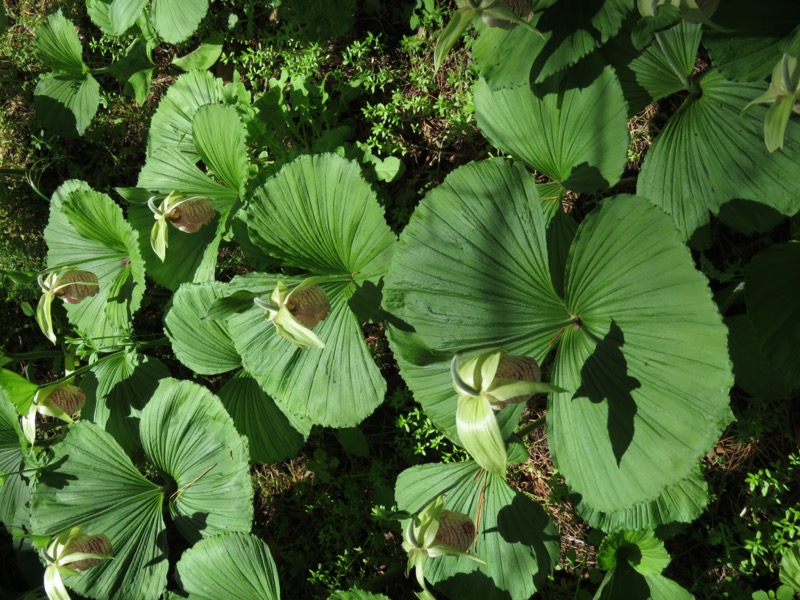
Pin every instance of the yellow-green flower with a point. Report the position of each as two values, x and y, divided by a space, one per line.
297 311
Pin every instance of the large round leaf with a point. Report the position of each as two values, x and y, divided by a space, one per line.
573 132
709 153
511 530
337 386
171 126
203 345
176 21
319 214
650 355
66 104
640 341
273 435
14 485
772 289
570 29
87 230
235 566
663 68
117 389
91 482
58 45
755 373
188 435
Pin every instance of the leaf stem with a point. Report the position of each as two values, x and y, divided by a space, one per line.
531 427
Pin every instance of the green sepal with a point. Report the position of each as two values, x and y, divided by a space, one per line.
480 434
505 14
776 121
158 239
44 318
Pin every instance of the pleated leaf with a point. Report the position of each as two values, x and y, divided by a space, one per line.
171 126
337 386
234 566
273 435
661 69
187 434
754 372
117 389
91 482
66 104
575 134
356 594
772 289
680 503
15 486
650 355
318 213
574 29
58 45
220 140
511 530
640 341
176 21
203 345
471 272
709 153
87 230
123 14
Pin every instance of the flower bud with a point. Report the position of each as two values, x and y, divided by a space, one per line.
75 285
190 215
87 544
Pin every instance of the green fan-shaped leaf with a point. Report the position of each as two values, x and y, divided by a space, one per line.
20 391
573 29
123 14
790 568
639 339
203 345
680 503
187 434
663 68
574 134
741 58
117 389
651 348
318 213
235 566
134 71
512 530
87 230
190 256
337 386
171 126
754 372
91 482
59 47
273 435
66 104
176 21
220 140
14 485
635 560
772 289
100 13
203 57
709 153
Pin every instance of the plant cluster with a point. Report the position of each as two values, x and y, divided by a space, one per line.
127 466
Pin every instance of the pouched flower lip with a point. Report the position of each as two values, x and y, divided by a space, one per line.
186 213
297 311
71 284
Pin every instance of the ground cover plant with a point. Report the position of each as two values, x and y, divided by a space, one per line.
441 300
